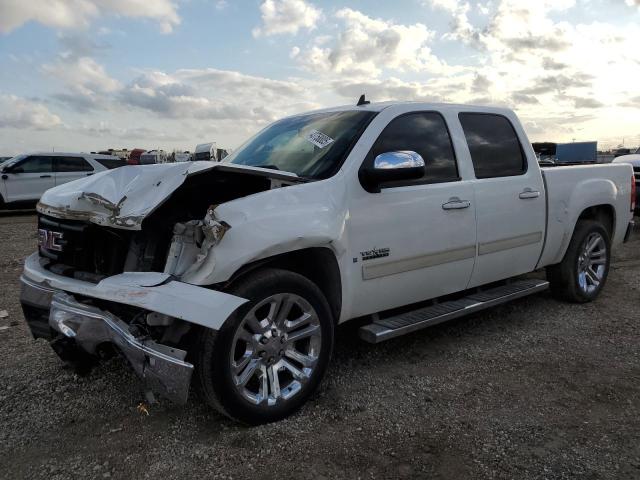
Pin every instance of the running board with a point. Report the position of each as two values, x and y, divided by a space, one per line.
391 327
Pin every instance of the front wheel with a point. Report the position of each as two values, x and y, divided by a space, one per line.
583 271
272 353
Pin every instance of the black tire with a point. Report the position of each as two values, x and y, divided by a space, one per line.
213 358
564 278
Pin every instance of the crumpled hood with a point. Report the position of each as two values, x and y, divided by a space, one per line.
122 197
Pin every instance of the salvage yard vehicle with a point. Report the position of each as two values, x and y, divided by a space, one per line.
24 178
400 215
632 159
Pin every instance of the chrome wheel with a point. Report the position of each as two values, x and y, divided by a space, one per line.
275 349
592 263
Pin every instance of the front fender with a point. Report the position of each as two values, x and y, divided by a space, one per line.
274 222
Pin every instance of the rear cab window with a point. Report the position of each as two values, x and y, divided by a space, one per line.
425 133
493 144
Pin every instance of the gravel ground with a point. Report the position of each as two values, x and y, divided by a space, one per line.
534 389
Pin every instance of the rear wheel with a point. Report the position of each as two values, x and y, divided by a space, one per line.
583 271
272 353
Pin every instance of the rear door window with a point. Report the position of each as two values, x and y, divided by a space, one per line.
72 164
493 144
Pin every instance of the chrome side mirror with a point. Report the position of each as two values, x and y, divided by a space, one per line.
392 167
398 161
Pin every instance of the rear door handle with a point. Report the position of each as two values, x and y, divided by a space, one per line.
45 176
455 203
529 193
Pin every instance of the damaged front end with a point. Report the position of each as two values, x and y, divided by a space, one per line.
112 250
162 368
146 315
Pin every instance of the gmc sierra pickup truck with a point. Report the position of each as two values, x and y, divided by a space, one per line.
399 215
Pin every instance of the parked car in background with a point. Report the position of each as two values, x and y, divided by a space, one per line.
206 152
23 179
183 157
134 156
633 160
237 273
151 157
122 153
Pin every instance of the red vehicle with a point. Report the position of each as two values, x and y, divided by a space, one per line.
134 156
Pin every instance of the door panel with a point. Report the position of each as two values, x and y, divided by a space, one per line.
414 239
510 229
510 201
29 179
423 251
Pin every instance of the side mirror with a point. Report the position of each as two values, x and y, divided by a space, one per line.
392 167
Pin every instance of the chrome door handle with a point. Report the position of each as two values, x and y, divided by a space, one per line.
529 193
455 203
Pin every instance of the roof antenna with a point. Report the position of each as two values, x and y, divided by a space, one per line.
362 101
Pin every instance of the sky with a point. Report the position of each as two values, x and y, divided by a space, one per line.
87 75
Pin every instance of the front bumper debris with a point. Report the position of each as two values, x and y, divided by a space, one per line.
52 312
162 368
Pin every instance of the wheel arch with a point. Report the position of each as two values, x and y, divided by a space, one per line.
318 264
604 213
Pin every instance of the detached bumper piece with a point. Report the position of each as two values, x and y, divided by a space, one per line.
162 368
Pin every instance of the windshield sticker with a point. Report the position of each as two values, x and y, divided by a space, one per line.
319 139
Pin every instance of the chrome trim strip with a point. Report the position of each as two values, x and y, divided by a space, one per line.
384 269
509 243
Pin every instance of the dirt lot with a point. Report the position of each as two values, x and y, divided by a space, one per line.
535 389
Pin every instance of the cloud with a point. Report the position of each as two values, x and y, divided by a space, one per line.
586 102
74 14
286 17
633 102
16 112
365 46
521 98
213 94
86 82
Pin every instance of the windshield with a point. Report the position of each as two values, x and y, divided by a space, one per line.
312 146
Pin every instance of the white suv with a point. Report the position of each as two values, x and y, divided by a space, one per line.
24 178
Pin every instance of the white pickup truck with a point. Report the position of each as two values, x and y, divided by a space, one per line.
400 215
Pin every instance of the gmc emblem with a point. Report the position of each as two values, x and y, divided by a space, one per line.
50 240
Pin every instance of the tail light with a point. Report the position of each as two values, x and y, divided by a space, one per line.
633 193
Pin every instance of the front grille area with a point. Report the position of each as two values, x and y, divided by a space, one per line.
82 249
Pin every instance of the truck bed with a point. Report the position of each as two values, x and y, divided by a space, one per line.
572 189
